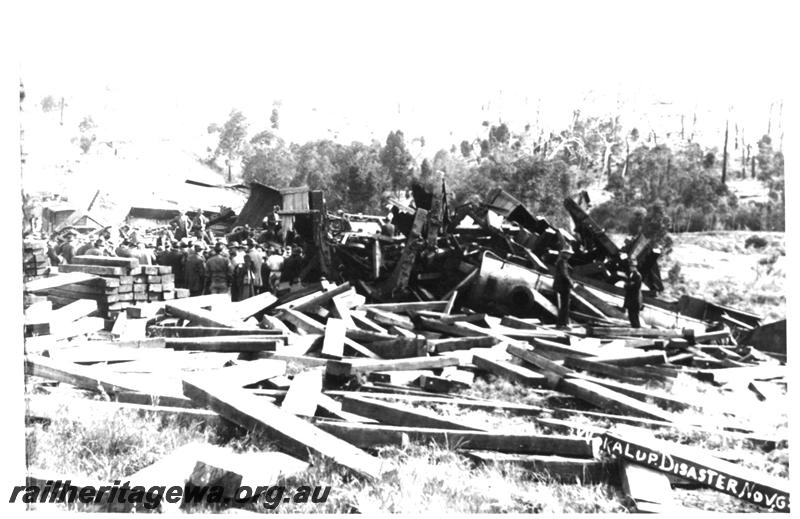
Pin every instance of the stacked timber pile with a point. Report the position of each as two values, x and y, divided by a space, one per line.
114 283
35 262
366 375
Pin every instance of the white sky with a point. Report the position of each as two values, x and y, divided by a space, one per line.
167 69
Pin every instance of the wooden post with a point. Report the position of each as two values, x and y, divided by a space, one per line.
725 153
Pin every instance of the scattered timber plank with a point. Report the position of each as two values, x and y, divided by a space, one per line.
398 378
294 435
245 373
562 469
646 487
370 435
108 261
303 394
310 325
633 358
316 299
333 344
695 465
83 326
438 384
462 403
404 308
360 318
606 398
385 318
208 331
341 311
398 414
461 343
352 367
399 348
41 284
78 376
510 371
50 407
202 317
240 343
97 270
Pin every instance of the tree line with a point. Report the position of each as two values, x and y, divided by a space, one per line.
674 185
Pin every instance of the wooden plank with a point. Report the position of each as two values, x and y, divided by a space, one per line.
294 435
341 311
245 373
209 331
605 398
696 465
202 317
551 369
303 394
400 348
461 343
562 469
399 378
633 358
83 326
461 403
405 308
360 319
333 344
371 435
639 393
107 261
50 407
509 371
352 367
644 485
315 299
240 343
302 321
398 414
38 285
97 270
78 376
252 305
389 319
437 384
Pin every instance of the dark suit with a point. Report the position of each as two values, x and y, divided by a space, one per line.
633 297
562 284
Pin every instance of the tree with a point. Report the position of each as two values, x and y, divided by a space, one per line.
396 160
232 139
274 116
87 138
48 104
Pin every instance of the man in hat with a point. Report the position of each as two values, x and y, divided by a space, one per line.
97 249
272 269
257 259
562 284
194 271
633 295
200 224
124 249
67 249
183 225
219 272
293 266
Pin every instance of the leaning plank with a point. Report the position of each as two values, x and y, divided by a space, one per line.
562 469
634 358
341 311
369 435
202 317
510 371
639 392
309 325
303 394
107 261
252 305
294 435
352 367
317 299
398 414
551 369
695 465
241 343
645 487
400 308
38 285
333 343
605 398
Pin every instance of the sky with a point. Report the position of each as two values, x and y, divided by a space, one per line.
356 70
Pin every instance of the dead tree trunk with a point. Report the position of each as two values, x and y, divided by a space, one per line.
725 154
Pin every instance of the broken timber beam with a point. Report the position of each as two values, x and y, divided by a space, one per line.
398 414
294 435
352 367
203 317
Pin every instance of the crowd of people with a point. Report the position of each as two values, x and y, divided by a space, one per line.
242 264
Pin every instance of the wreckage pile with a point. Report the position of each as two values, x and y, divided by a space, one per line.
374 357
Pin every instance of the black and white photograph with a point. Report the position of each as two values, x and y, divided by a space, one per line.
398 257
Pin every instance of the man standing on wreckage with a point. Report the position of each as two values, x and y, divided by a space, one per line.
562 284
633 294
